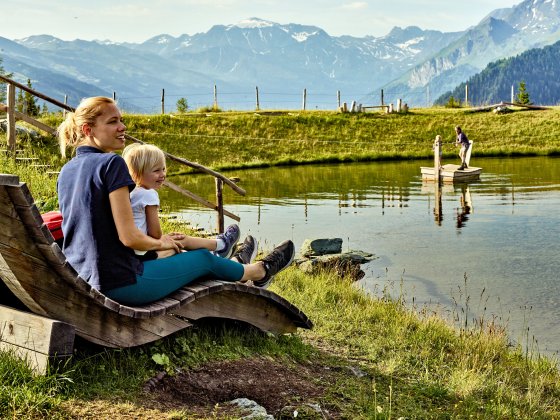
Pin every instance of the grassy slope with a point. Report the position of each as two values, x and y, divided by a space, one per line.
227 140
419 367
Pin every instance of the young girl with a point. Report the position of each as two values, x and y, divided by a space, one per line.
99 231
146 164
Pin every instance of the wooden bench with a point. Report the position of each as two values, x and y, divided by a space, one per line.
36 272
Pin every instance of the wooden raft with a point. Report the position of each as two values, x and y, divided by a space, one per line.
450 172
36 272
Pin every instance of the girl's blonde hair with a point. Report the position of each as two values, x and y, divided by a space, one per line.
69 132
141 158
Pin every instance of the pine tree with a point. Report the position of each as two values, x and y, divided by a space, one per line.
182 105
20 102
30 102
522 95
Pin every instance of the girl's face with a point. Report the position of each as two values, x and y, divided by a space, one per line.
153 179
107 133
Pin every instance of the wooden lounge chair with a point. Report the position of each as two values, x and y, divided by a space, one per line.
35 272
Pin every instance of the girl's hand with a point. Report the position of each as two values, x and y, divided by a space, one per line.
177 236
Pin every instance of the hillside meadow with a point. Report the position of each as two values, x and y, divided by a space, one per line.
412 363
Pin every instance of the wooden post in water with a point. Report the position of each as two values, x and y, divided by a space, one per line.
437 159
163 101
220 204
114 96
11 121
437 179
257 106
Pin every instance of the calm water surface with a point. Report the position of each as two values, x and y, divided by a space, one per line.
501 233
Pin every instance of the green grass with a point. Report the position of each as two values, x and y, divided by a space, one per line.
419 366
431 369
230 140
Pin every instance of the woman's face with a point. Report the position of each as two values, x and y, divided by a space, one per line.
107 133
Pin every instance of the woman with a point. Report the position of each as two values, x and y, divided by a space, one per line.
98 225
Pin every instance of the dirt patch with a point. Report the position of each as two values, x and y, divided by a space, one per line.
271 384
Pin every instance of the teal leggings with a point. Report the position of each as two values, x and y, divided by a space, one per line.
164 276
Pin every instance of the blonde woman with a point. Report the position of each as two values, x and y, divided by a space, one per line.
98 226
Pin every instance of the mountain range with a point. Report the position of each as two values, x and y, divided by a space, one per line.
410 63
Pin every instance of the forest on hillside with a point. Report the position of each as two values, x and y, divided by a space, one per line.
537 68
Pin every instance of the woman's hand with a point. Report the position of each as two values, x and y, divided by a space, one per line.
170 242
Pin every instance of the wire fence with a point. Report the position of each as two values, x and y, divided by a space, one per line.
255 100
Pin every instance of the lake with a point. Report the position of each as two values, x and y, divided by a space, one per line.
484 249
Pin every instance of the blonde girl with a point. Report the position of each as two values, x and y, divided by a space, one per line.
146 164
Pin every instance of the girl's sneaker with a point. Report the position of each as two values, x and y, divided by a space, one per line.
230 238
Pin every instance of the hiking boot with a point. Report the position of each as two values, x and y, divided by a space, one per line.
230 238
460 168
247 251
280 258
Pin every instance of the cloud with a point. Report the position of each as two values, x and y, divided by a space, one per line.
356 5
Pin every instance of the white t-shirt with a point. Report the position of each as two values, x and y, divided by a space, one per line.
139 199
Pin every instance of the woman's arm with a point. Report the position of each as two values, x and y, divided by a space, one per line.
152 220
128 233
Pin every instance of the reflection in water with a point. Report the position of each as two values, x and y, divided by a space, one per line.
413 228
466 205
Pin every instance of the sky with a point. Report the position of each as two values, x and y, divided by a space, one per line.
139 20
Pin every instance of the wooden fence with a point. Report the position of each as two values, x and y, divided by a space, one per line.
13 115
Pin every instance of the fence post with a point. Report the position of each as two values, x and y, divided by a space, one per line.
382 99
11 121
220 204
466 94
338 99
114 96
65 103
257 89
215 98
163 101
512 94
303 105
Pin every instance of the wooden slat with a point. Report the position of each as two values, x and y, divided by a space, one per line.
183 296
10 280
20 195
9 179
203 288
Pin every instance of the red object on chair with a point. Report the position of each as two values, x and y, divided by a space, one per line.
53 220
